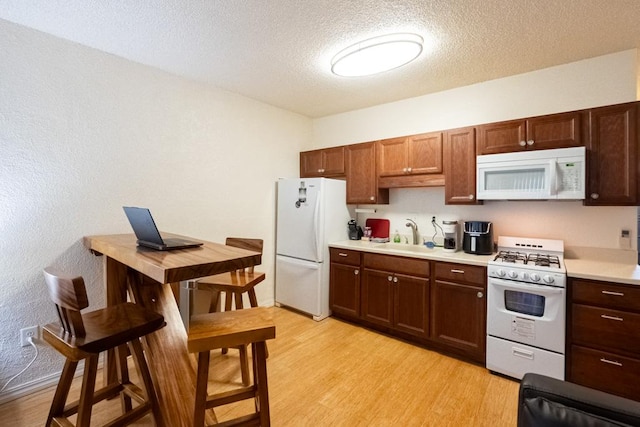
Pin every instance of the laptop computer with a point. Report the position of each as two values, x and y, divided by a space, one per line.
147 233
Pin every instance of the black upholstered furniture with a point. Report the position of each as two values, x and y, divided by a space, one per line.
548 402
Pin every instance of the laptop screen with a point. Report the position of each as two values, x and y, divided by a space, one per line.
143 225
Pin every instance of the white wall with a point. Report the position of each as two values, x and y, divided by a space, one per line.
83 133
604 80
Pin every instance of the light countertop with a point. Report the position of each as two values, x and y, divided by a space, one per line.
413 251
609 265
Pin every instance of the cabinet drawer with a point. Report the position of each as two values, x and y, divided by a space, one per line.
461 273
605 371
606 328
606 294
396 264
344 256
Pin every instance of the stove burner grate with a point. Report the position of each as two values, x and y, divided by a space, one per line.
544 260
512 257
536 259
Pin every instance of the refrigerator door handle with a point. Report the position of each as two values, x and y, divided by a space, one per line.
316 231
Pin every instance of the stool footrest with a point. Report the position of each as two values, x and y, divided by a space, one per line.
231 396
250 420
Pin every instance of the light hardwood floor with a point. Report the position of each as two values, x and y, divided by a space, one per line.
332 373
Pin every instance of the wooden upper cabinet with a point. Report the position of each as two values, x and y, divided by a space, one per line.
536 133
459 155
413 155
362 185
327 162
612 156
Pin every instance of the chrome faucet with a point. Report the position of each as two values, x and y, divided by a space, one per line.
414 229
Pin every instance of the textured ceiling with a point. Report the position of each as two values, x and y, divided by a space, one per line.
278 51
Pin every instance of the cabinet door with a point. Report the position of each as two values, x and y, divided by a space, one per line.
392 156
411 304
554 131
319 163
460 167
612 151
458 317
310 164
377 297
503 137
344 290
333 161
361 175
425 153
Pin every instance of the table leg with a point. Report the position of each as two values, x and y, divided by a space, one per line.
172 367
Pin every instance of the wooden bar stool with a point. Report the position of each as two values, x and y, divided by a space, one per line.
83 337
236 328
237 282
233 285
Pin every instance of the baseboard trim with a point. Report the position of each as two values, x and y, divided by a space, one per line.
34 386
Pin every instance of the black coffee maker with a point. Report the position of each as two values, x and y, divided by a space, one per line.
355 231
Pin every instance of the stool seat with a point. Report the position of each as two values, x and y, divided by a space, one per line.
211 331
104 329
237 328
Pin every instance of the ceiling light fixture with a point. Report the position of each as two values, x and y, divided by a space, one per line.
377 54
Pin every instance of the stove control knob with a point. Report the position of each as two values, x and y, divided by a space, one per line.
548 279
525 276
513 274
535 277
501 273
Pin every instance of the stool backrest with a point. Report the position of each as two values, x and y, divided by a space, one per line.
69 294
248 244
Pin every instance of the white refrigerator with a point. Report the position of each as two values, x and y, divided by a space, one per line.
311 213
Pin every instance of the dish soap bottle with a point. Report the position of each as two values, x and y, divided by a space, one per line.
396 237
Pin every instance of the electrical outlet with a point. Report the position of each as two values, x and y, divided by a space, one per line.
26 333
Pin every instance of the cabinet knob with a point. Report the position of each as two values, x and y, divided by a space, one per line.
409 170
404 170
594 196
356 272
522 143
471 197
480 294
372 198
395 279
389 278
530 142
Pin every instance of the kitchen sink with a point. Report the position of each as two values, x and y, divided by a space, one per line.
404 248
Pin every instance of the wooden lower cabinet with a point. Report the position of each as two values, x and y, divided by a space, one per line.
393 299
604 336
459 307
437 304
344 282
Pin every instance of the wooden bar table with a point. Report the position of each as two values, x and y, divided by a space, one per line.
151 277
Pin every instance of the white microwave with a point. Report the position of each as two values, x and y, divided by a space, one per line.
532 175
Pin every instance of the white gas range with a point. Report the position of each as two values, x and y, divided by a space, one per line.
526 307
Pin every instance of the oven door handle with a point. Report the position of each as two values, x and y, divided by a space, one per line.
522 286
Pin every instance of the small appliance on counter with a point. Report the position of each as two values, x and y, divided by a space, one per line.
477 238
379 229
355 231
451 239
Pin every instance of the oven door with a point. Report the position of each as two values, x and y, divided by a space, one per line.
526 313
